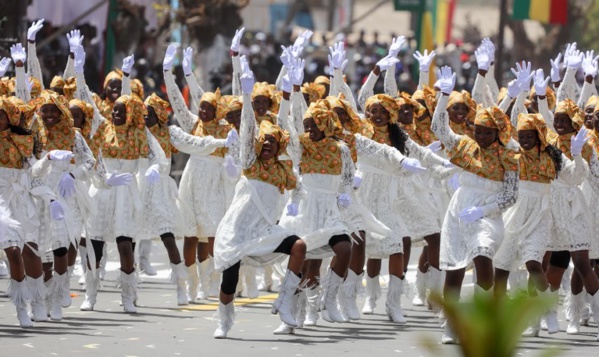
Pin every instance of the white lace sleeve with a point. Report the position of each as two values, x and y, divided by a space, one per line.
33 64
156 155
505 104
348 170
367 90
345 89
492 83
518 108
99 175
381 156
440 124
82 92
185 118
236 84
478 91
334 87
126 84
21 90
545 112
279 80
84 158
298 109
508 195
293 149
391 83
195 93
247 133
69 70
593 177
568 89
585 94
193 145
425 155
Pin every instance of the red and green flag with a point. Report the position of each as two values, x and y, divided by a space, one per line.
546 11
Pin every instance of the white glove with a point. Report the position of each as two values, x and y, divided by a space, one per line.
454 181
247 81
236 42
523 74
4 63
303 38
573 57
540 82
29 86
344 200
243 63
115 179
56 210
555 68
425 59
75 40
396 44
79 61
169 56
153 174
296 73
357 180
386 62
446 79
66 186
337 55
483 58
286 85
435 146
292 209
579 140
36 26
471 214
230 167
128 63
447 164
412 165
187 60
232 138
490 48
589 64
286 57
296 51
60 155
513 88
17 52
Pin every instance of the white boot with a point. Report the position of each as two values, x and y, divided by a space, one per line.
312 298
179 277
534 329
145 265
37 291
250 282
48 298
449 337
286 329
128 291
66 298
83 264
214 282
206 268
328 299
266 284
56 295
226 317
348 293
300 306
284 302
193 280
373 292
92 284
551 315
574 308
435 286
595 308
103 262
20 296
393 303
420 288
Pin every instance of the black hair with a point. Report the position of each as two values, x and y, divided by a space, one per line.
398 138
556 156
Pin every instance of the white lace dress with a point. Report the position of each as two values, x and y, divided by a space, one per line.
164 212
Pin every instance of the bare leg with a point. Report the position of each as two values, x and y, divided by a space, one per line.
190 246
33 263
501 278
15 262
583 268
343 252
168 239
125 247
407 251
203 251
484 272
537 275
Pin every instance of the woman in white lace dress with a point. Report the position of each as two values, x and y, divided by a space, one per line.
473 226
249 229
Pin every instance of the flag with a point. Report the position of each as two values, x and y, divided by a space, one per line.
546 11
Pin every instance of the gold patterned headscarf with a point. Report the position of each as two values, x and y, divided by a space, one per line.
572 110
280 135
325 119
11 110
135 110
388 103
501 95
160 107
314 91
534 122
231 103
494 118
355 125
429 96
323 80
116 74
4 86
405 98
592 102
50 97
88 115
214 99
550 94
464 98
70 86
27 109
57 82
137 88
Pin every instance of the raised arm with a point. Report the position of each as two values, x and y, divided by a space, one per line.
19 57
193 145
248 126
425 155
569 88
424 61
284 120
84 158
126 81
83 92
186 119
195 91
33 64
483 60
492 86
235 46
440 123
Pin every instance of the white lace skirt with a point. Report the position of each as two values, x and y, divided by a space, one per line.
19 207
202 190
572 219
461 242
527 227
249 229
417 208
592 198
319 217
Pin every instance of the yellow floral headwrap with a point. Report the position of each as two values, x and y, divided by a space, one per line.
572 110
405 98
88 113
116 74
231 103
464 98
593 101
137 88
4 86
70 86
50 97
135 110
355 124
57 82
160 107
280 135
494 118
550 94
501 95
314 91
12 111
27 109
214 98
429 96
325 119
323 80
388 103
534 122
277 97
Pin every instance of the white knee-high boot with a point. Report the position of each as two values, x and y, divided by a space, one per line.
373 293
57 292
574 311
595 308
284 303
226 317
128 291
37 291
179 277
420 288
92 285
250 282
83 263
348 292
145 250
311 305
20 296
328 299
435 286
393 303
206 269
193 281
66 298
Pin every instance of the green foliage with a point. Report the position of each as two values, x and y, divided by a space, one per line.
588 37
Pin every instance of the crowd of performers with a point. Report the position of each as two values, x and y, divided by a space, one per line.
293 173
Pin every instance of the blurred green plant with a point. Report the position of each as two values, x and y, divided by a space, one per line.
492 327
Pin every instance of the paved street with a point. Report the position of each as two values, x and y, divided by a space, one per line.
160 328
